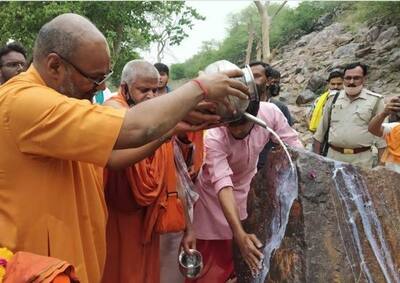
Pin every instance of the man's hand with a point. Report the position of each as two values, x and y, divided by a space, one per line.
393 107
204 112
189 241
184 127
220 85
249 245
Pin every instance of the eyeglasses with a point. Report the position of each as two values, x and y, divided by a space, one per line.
355 78
96 81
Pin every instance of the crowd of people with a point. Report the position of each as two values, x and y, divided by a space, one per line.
111 187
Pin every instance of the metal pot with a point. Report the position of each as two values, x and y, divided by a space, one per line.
190 265
240 105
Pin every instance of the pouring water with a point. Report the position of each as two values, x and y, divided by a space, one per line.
264 125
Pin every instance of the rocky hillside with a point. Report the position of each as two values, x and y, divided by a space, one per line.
305 63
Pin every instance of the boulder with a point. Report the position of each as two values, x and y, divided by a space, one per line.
363 52
299 78
316 83
372 34
388 34
344 226
305 97
347 50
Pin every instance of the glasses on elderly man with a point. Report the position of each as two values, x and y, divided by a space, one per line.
96 81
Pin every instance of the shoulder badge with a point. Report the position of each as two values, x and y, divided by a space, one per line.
373 93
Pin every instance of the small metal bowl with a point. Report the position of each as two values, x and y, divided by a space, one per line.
190 265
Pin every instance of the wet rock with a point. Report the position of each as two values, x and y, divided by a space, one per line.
305 97
326 238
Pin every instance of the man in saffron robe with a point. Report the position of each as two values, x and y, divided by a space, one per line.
134 194
54 143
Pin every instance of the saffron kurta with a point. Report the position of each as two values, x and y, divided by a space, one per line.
134 197
51 193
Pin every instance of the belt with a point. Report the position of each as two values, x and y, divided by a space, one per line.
349 150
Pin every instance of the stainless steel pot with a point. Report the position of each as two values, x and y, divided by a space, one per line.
190 265
240 105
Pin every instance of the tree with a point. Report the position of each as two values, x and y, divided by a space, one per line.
262 9
125 24
170 24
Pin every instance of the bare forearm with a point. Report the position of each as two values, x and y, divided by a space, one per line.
149 120
122 158
375 125
229 207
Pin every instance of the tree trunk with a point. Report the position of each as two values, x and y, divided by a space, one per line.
249 42
263 12
259 51
116 45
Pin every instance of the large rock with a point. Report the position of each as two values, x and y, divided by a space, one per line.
316 83
305 97
372 34
347 50
343 227
388 34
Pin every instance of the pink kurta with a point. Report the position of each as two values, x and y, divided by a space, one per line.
233 162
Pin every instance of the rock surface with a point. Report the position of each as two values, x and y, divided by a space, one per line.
315 54
319 245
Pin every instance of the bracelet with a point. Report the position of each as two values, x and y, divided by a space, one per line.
201 86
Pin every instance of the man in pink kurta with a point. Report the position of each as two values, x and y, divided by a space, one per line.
231 163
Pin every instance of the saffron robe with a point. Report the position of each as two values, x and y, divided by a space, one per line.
134 197
52 148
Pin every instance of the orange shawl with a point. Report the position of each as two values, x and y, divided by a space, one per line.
197 138
147 182
392 153
28 267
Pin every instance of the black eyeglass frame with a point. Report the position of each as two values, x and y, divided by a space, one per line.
94 81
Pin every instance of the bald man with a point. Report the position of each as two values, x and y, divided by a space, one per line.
135 194
55 142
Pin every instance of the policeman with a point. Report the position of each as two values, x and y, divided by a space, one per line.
347 118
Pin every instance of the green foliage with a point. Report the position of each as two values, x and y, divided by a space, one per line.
287 25
377 10
127 25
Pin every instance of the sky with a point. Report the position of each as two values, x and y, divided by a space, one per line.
213 27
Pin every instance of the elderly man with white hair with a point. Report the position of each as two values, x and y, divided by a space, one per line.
138 183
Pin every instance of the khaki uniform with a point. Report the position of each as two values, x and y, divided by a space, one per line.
349 126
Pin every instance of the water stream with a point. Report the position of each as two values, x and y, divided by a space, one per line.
262 123
286 193
356 200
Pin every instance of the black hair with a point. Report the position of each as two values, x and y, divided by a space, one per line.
355 65
336 73
256 63
162 68
265 65
13 46
272 73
